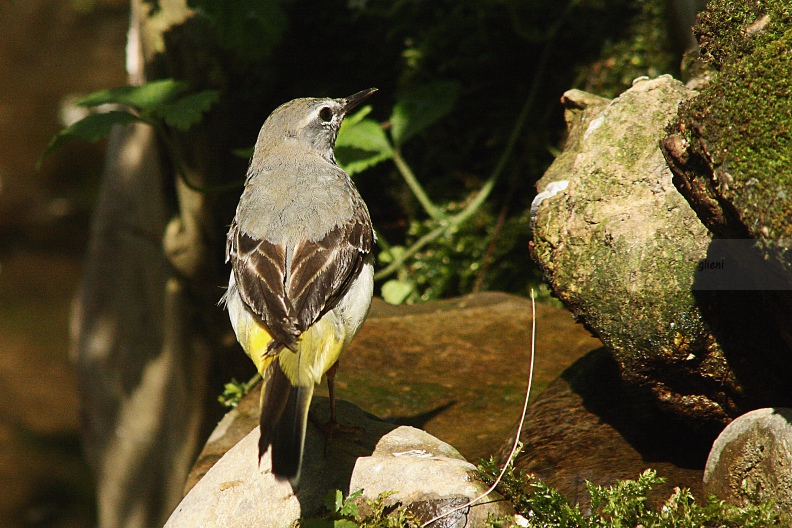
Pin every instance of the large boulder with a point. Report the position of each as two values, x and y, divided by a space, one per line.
621 247
729 148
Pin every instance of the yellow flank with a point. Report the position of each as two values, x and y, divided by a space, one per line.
256 346
318 349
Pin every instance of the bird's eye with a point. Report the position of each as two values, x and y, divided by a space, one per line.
325 114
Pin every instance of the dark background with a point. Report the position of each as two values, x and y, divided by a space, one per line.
53 49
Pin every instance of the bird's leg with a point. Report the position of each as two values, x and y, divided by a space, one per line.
329 427
331 372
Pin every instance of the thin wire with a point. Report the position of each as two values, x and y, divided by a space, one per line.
519 427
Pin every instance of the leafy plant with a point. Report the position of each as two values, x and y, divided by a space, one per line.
162 103
344 513
234 391
363 143
625 504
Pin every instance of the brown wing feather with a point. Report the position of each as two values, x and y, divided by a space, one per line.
287 301
259 271
320 273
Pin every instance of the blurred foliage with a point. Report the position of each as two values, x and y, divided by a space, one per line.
158 103
645 49
466 120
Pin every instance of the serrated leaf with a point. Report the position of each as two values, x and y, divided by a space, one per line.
189 110
349 508
91 128
396 291
420 108
145 97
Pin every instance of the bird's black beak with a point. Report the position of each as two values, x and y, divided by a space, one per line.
353 101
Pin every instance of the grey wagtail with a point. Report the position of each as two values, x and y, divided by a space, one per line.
302 274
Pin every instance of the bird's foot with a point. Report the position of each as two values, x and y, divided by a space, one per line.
330 428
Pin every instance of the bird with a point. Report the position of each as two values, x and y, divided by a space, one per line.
302 275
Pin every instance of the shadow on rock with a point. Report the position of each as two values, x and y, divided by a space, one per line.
420 420
590 425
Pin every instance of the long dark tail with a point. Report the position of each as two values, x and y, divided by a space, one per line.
284 416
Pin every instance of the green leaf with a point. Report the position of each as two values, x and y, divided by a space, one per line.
420 108
357 117
187 111
361 144
365 134
396 291
345 523
91 128
142 98
349 508
333 500
354 161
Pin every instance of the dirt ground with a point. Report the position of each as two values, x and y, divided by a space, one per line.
49 49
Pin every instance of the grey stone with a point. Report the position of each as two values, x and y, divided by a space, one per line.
751 461
236 491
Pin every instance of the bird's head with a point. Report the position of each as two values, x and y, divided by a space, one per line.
312 122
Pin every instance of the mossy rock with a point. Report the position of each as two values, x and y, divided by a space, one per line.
619 245
730 148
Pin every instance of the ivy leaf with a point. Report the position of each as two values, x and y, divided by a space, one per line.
143 98
422 107
91 128
361 144
187 111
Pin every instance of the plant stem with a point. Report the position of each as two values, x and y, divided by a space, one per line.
449 223
412 182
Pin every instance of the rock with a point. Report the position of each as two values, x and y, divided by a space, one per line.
382 457
457 368
751 461
728 148
591 425
620 247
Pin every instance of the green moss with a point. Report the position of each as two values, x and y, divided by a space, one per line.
742 122
729 29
